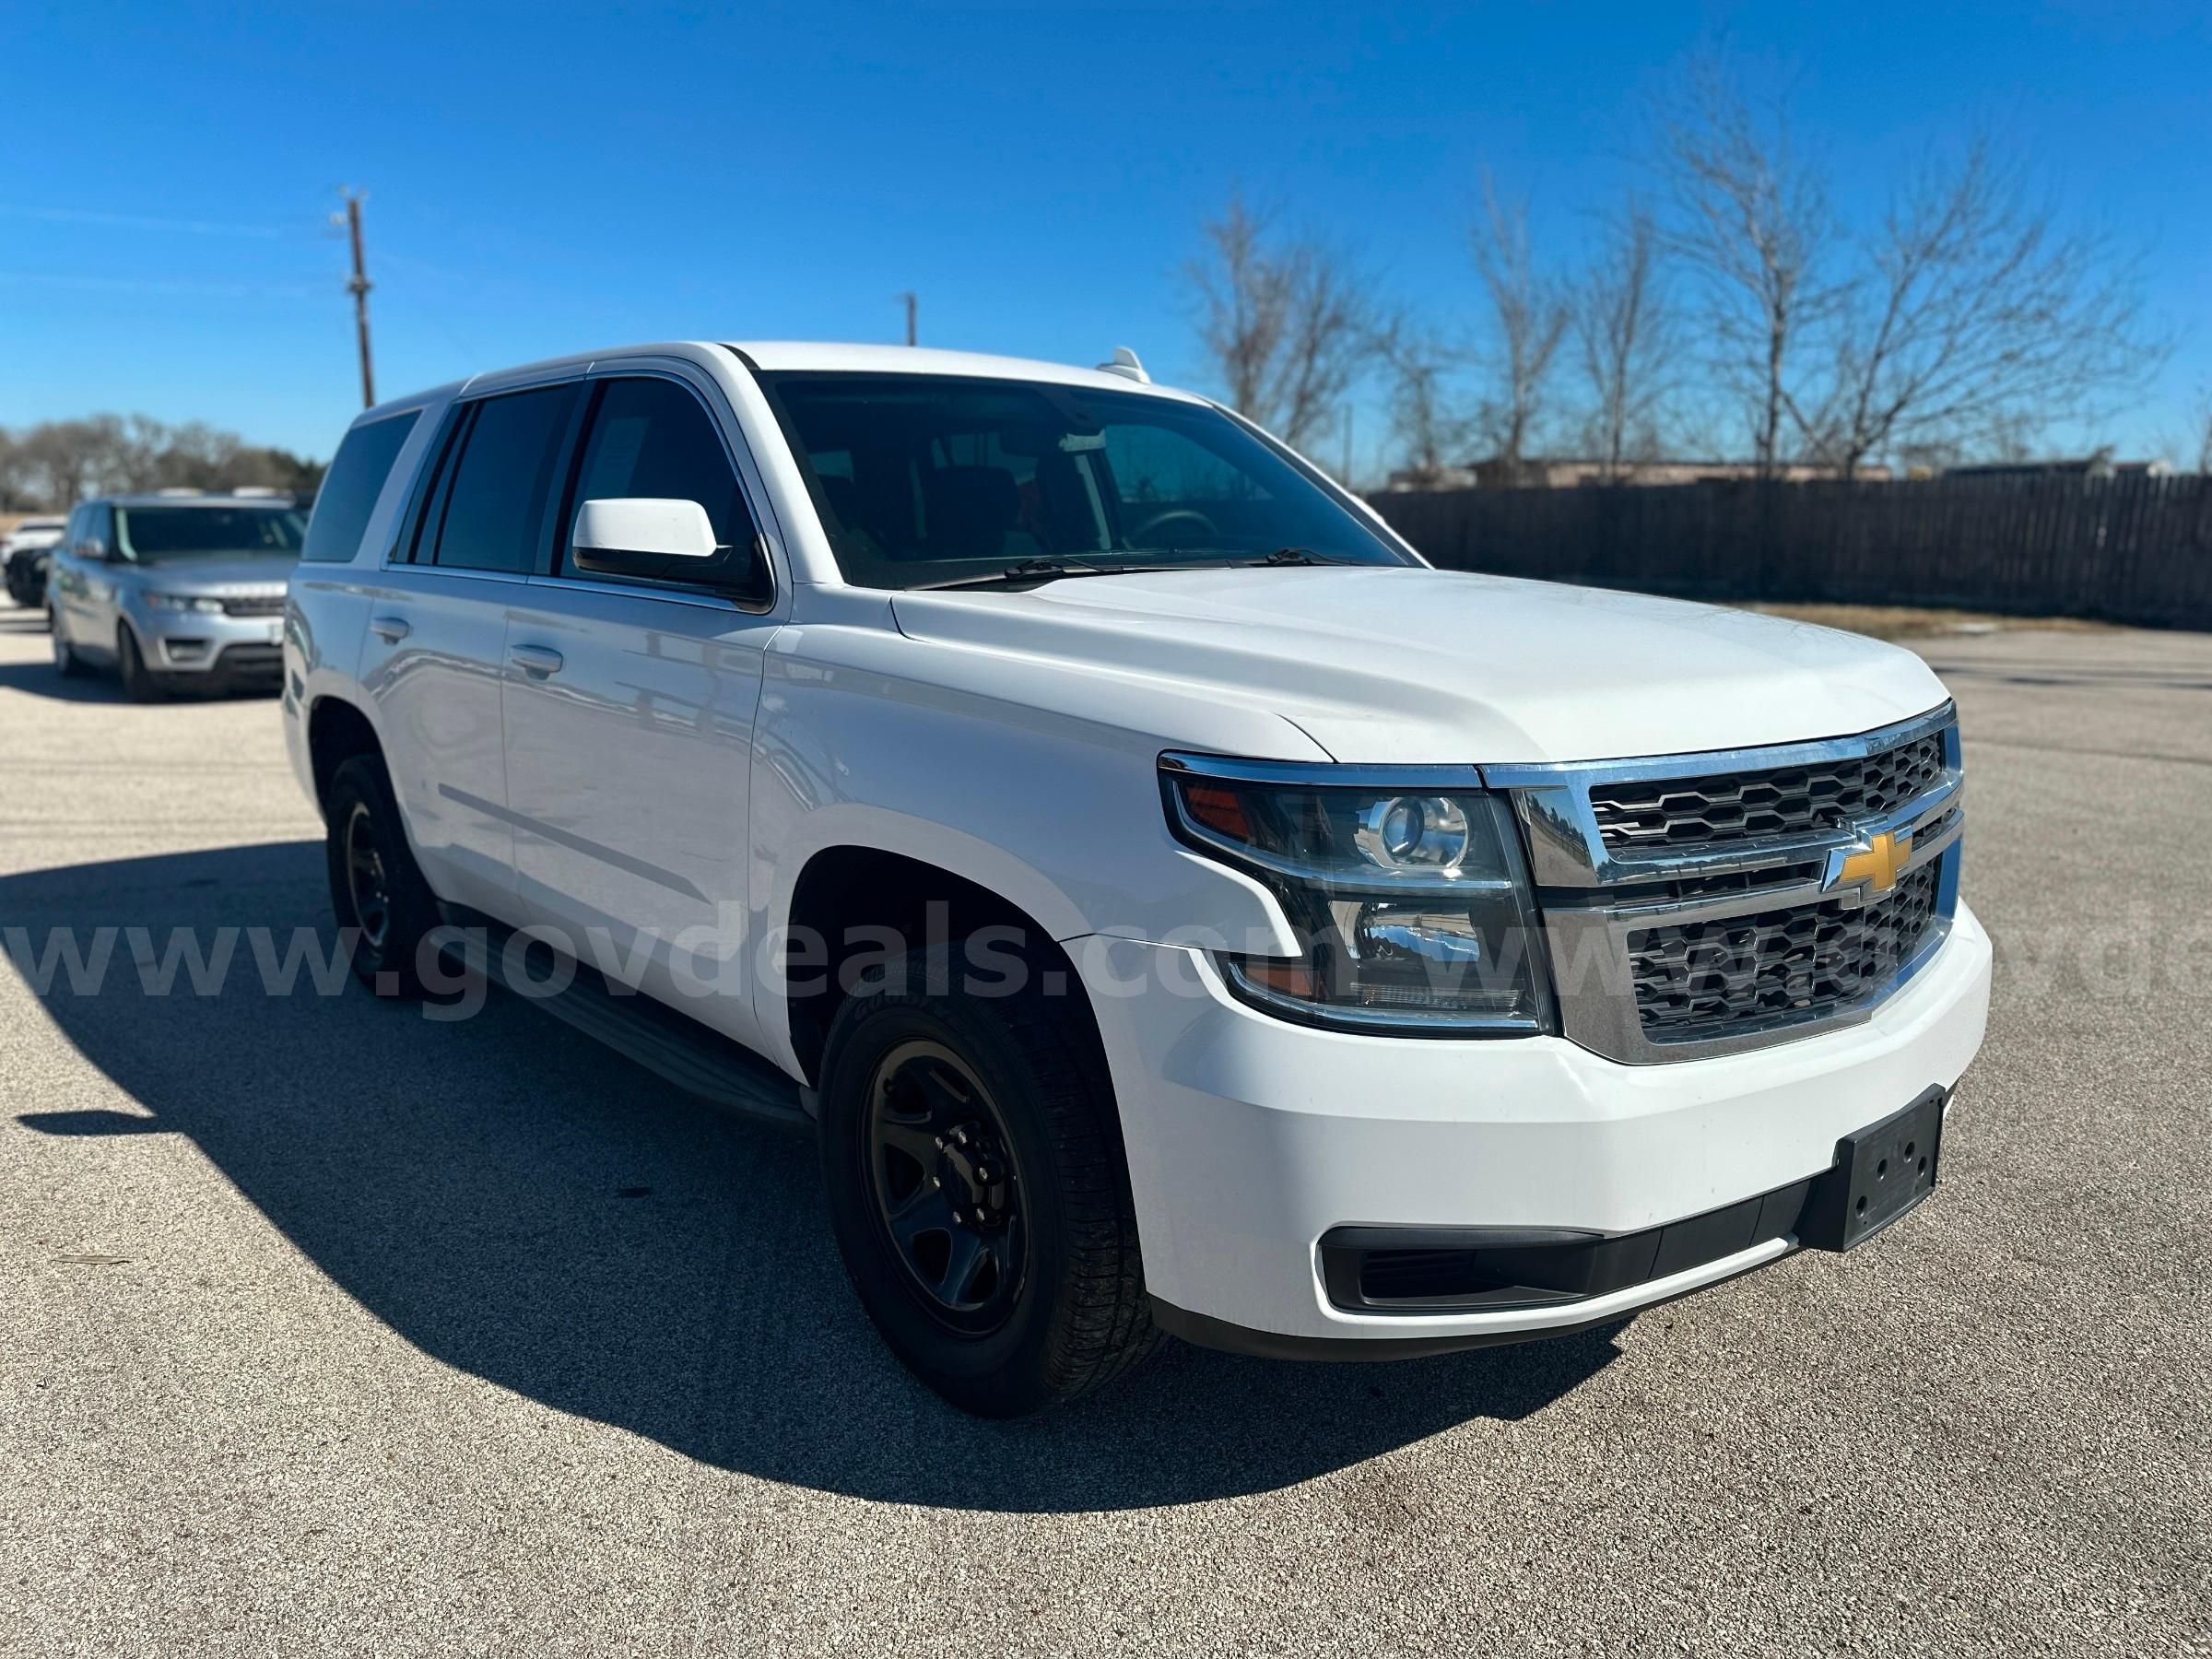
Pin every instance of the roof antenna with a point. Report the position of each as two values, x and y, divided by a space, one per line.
1128 365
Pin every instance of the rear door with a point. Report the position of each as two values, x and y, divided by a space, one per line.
630 708
434 656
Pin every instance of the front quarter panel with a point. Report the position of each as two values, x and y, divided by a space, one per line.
1036 782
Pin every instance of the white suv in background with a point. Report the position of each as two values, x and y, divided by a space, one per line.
24 552
1172 904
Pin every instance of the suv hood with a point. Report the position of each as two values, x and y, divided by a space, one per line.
215 576
1409 665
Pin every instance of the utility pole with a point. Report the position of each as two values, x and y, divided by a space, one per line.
912 301
358 287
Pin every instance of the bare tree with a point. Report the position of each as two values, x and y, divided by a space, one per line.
66 460
17 493
1290 326
1750 217
1624 332
1976 319
1431 427
1528 317
58 463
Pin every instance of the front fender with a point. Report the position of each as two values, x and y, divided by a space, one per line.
1005 775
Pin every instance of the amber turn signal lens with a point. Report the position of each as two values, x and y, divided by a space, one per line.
1220 809
1285 978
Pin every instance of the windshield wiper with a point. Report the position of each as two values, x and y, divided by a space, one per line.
1040 569
1293 555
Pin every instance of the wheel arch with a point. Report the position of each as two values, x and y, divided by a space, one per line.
845 886
337 730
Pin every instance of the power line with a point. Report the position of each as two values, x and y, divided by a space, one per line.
135 221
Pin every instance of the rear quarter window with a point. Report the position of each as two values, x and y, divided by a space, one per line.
350 491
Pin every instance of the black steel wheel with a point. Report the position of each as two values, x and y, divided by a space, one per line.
376 888
368 882
971 1155
947 1193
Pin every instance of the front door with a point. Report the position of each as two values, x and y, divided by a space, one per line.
630 715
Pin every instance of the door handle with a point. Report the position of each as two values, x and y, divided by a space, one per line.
391 630
534 659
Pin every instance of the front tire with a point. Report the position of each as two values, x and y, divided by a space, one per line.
972 1156
66 663
139 682
376 888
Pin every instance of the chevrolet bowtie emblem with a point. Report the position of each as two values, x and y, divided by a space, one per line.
1875 863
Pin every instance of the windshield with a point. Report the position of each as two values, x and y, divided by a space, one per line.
150 534
925 479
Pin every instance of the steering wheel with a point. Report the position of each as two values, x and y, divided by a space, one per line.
1169 517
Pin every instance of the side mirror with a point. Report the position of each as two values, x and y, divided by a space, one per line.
646 537
94 549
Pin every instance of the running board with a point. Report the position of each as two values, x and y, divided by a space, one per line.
671 1045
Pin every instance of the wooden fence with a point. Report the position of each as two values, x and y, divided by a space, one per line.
2125 550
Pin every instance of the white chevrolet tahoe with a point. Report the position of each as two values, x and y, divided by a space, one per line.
1173 905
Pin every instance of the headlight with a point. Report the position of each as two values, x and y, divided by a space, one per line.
184 602
1412 905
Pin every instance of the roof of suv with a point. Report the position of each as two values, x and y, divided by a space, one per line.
198 498
824 356
827 356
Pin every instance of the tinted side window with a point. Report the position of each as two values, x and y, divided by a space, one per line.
652 438
88 526
349 490
495 513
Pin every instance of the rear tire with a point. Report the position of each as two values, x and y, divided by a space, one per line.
376 888
958 1127
140 684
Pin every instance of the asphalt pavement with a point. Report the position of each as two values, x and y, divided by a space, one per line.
328 1327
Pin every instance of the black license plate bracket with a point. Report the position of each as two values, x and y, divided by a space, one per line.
1880 1173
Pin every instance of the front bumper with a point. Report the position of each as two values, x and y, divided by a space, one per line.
1249 1139
212 652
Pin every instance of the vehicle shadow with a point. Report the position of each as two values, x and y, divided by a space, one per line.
42 680
522 1204
100 685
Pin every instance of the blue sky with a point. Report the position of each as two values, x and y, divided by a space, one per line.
541 179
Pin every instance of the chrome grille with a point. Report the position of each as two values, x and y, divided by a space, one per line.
1711 978
1737 805
1705 903
257 605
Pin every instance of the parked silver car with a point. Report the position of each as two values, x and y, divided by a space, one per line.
175 590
